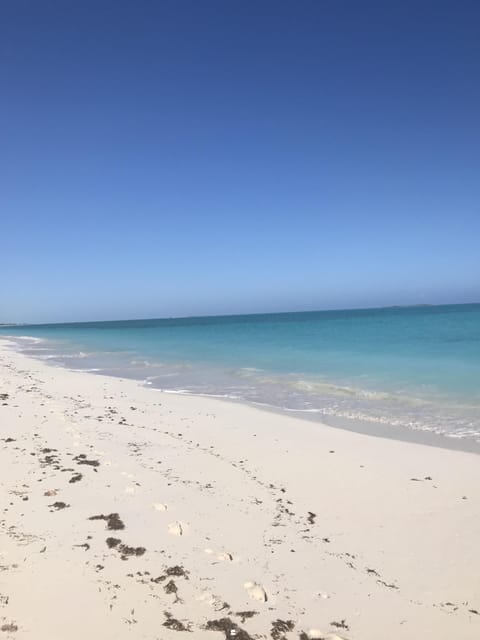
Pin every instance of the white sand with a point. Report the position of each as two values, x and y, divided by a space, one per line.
227 493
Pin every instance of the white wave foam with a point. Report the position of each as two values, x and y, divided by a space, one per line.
66 356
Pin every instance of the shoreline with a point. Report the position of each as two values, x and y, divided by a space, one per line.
354 425
372 427
168 515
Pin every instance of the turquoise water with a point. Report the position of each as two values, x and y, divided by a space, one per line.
414 367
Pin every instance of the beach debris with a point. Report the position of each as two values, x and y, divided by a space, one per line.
50 493
176 571
314 634
256 591
311 517
76 478
386 584
340 625
175 625
159 506
114 523
82 459
9 627
229 628
171 587
243 615
59 505
49 459
112 542
124 550
280 627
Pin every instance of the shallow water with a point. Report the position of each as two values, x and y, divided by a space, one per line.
416 368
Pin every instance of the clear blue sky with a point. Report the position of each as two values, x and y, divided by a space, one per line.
163 158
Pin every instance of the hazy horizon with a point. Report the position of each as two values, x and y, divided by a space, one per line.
246 313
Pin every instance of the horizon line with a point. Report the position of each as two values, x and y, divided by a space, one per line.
232 315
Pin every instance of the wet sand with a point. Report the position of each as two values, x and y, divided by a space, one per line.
131 513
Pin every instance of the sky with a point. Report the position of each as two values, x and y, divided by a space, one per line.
196 157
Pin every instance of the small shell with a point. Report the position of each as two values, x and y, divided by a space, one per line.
176 528
256 591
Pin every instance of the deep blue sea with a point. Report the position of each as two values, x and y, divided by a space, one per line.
416 368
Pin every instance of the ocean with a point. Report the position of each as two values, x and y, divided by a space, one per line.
410 368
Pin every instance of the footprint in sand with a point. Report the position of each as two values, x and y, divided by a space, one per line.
160 506
177 528
256 591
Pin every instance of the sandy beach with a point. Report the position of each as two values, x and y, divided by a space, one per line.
132 513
